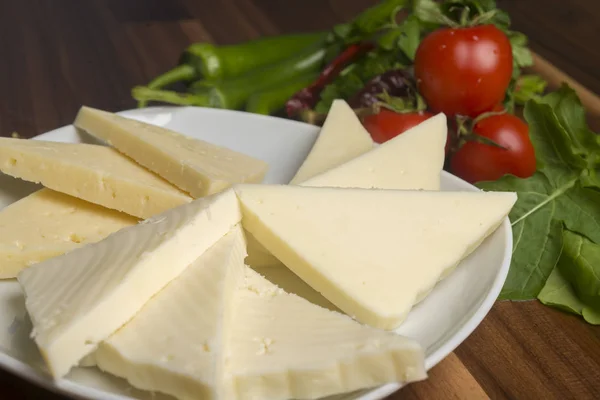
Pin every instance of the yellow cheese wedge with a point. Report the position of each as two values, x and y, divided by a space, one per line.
413 160
97 174
283 347
195 166
372 253
79 299
176 343
342 138
46 224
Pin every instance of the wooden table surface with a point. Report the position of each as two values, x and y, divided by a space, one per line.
60 54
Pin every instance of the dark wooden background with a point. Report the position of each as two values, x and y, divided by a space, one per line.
60 54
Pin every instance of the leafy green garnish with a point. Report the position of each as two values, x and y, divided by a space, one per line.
370 21
559 203
354 78
559 292
537 239
580 265
410 36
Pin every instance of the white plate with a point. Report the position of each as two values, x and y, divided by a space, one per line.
440 323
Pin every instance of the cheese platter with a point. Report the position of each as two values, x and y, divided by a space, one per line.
445 316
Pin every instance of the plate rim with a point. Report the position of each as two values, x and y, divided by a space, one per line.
465 328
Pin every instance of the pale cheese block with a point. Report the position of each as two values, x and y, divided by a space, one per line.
195 166
176 343
283 347
412 160
372 253
97 174
288 281
46 224
341 138
79 299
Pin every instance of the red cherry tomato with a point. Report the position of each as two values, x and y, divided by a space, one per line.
464 71
476 161
388 124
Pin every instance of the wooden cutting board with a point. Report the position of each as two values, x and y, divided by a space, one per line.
59 55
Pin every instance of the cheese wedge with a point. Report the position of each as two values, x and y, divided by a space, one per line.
413 160
288 281
284 347
175 344
77 300
46 224
341 138
97 174
197 167
372 253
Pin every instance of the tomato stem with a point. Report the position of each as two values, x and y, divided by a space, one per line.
487 114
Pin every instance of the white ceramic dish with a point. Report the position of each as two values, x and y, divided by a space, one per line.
440 323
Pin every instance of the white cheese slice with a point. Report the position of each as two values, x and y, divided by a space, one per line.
372 253
197 167
46 224
341 138
412 160
175 344
284 347
288 281
77 300
97 174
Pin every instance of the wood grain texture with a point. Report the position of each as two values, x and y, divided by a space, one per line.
60 54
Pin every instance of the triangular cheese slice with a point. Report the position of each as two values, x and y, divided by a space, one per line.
77 300
412 160
97 174
372 253
288 281
195 166
175 344
284 347
341 138
46 224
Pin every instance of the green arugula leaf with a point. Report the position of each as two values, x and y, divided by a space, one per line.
537 235
521 54
580 265
429 11
410 36
559 194
374 18
579 208
501 19
487 5
528 87
370 21
551 140
558 293
591 315
571 115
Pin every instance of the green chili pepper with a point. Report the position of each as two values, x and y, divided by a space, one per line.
233 93
207 61
273 99
145 94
